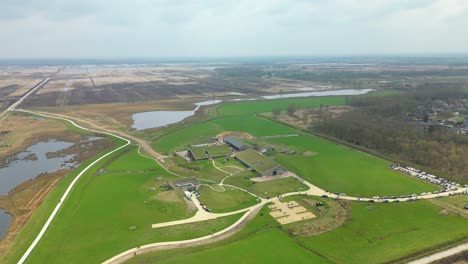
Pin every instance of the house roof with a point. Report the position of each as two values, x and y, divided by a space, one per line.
256 161
236 143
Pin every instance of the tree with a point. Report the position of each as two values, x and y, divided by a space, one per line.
276 111
292 108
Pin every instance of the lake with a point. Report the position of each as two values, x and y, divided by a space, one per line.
321 93
154 119
4 223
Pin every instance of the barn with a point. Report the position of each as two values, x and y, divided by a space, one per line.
207 152
235 144
259 163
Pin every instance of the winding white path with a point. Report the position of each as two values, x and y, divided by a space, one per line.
34 89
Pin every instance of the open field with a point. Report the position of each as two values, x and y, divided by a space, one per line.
358 174
119 115
268 188
231 199
131 161
22 132
202 132
261 241
375 233
110 206
356 167
379 233
26 235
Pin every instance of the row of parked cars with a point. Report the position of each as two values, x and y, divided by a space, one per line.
448 185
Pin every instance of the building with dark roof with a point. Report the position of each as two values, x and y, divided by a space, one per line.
235 144
259 163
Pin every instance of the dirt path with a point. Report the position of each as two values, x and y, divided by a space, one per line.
441 255
451 208
142 143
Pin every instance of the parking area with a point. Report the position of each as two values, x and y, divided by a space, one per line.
289 212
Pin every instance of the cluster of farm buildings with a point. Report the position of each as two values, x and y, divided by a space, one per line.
243 153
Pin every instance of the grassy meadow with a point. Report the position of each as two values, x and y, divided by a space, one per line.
99 213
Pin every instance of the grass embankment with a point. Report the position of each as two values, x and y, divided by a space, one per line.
98 216
231 199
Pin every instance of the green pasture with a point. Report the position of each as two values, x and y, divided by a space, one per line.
375 233
230 200
131 161
99 213
379 233
269 188
337 168
252 107
203 132
29 232
261 241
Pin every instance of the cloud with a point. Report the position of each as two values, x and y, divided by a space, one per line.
87 28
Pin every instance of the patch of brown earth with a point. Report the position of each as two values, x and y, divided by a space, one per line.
328 218
305 118
234 134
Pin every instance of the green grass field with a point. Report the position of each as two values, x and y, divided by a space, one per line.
231 199
132 161
268 188
251 107
35 223
375 233
203 132
338 168
261 241
98 214
378 233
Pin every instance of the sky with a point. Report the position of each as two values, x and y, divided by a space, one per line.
217 28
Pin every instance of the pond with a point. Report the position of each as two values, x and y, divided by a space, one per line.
4 223
32 162
156 119
322 93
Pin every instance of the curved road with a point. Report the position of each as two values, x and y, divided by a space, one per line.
201 214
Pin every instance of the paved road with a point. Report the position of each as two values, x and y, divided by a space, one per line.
441 255
33 90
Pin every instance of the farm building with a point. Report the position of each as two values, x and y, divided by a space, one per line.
235 144
259 163
186 184
206 152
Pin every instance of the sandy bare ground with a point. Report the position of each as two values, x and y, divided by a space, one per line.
234 134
